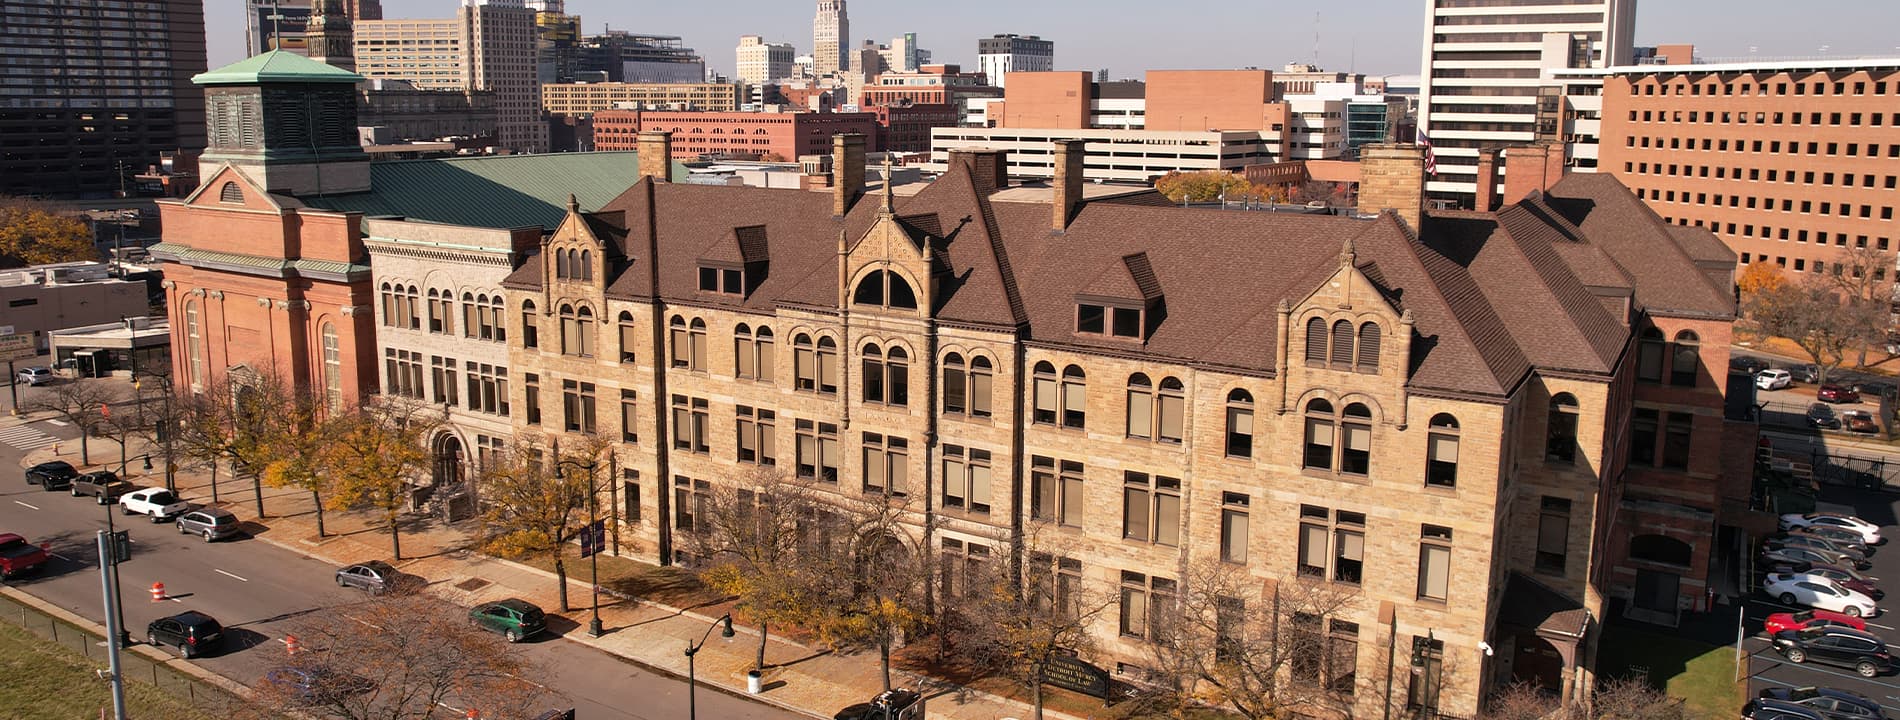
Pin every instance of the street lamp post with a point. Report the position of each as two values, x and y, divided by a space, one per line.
593 558
692 649
118 593
164 428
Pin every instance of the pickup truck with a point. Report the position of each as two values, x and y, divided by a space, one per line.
18 556
158 503
101 484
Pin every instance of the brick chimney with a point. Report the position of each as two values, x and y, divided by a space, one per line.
847 171
989 168
656 154
1487 199
1392 177
1531 168
1068 182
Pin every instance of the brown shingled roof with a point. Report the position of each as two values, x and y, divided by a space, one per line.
1666 276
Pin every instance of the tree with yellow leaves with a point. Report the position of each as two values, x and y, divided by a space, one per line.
533 504
380 451
1760 277
1205 186
296 438
231 423
746 543
31 234
875 578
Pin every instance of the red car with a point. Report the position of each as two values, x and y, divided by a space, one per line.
1810 618
1837 394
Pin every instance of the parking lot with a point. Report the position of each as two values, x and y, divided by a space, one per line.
1767 668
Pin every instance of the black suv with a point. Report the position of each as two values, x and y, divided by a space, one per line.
1845 647
55 475
1829 702
1765 709
192 632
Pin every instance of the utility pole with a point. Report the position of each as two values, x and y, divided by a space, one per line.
113 629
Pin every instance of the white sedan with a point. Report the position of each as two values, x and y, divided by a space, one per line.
1818 592
1869 532
159 503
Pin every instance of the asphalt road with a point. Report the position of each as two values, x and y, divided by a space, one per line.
255 589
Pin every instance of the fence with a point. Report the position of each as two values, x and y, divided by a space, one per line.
135 667
1835 468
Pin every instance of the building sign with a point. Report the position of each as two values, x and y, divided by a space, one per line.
1071 674
17 347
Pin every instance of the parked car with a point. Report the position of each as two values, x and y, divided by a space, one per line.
1773 379
1819 593
101 485
1824 546
1859 421
37 375
1863 652
55 475
158 503
1837 394
1807 373
315 685
1780 557
1744 363
1821 415
1846 577
377 577
1777 622
1873 389
1842 538
18 556
1767 709
208 522
1869 532
193 633
515 619
1832 703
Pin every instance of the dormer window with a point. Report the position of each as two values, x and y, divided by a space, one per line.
1122 322
1124 301
728 281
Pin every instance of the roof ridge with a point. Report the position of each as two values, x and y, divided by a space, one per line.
1654 221
987 215
1434 285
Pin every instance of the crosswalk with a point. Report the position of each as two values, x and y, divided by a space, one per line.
26 437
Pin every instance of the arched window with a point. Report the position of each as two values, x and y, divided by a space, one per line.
1320 432
561 264
1662 549
1649 356
332 367
886 376
982 377
415 314
1342 442
1342 345
441 317
492 326
681 343
885 289
587 265
1239 424
956 384
1441 453
1355 453
1561 430
570 331
804 363
584 328
530 334
629 339
1074 398
471 314
764 359
1141 401
1686 362
873 374
194 343
231 193
1316 342
1369 338
389 306
1156 416
827 366
1047 395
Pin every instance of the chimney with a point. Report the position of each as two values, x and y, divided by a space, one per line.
988 168
847 171
1068 182
1392 177
1487 199
656 154
1531 168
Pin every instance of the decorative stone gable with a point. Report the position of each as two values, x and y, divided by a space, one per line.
574 259
890 267
1348 338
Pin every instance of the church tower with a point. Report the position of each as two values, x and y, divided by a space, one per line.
329 36
288 121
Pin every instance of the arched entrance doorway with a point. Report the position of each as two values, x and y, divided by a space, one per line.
448 462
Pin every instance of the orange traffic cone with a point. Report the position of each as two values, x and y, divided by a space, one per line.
290 645
158 592
472 715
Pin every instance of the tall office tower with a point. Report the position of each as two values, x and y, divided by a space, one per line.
1000 55
761 62
557 38
1487 75
68 133
830 38
489 45
328 37
903 54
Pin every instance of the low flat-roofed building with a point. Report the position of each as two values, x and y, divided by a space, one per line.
1111 155
132 346
39 299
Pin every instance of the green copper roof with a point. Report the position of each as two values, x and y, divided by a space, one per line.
276 66
502 191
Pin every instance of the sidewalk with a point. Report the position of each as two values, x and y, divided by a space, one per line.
653 635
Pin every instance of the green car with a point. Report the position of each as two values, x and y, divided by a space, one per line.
514 619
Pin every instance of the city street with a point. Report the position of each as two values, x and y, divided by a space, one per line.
255 589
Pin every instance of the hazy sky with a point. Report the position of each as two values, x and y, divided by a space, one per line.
1131 36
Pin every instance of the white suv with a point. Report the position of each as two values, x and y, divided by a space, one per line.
1774 379
36 376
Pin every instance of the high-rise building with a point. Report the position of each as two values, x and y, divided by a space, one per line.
830 38
1486 66
762 62
328 35
269 24
903 54
621 56
1003 54
68 133
489 45
556 41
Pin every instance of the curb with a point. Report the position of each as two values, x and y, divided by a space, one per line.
219 681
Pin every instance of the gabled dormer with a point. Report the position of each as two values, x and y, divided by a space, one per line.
1123 302
889 268
736 264
1347 324
578 256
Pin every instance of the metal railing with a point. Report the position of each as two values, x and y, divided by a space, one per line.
136 667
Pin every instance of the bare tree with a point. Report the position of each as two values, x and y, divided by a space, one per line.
1836 311
81 402
532 506
1016 628
400 657
747 543
1615 699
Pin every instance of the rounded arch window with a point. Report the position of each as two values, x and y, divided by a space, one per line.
1239 433
1441 451
1685 363
1560 445
883 288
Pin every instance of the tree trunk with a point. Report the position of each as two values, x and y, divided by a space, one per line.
560 576
317 499
85 453
395 539
1035 693
764 631
214 482
884 662
257 486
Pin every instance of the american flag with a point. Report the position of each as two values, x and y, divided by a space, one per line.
1431 159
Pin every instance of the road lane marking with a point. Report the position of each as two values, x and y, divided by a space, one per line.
60 423
229 575
62 557
24 505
